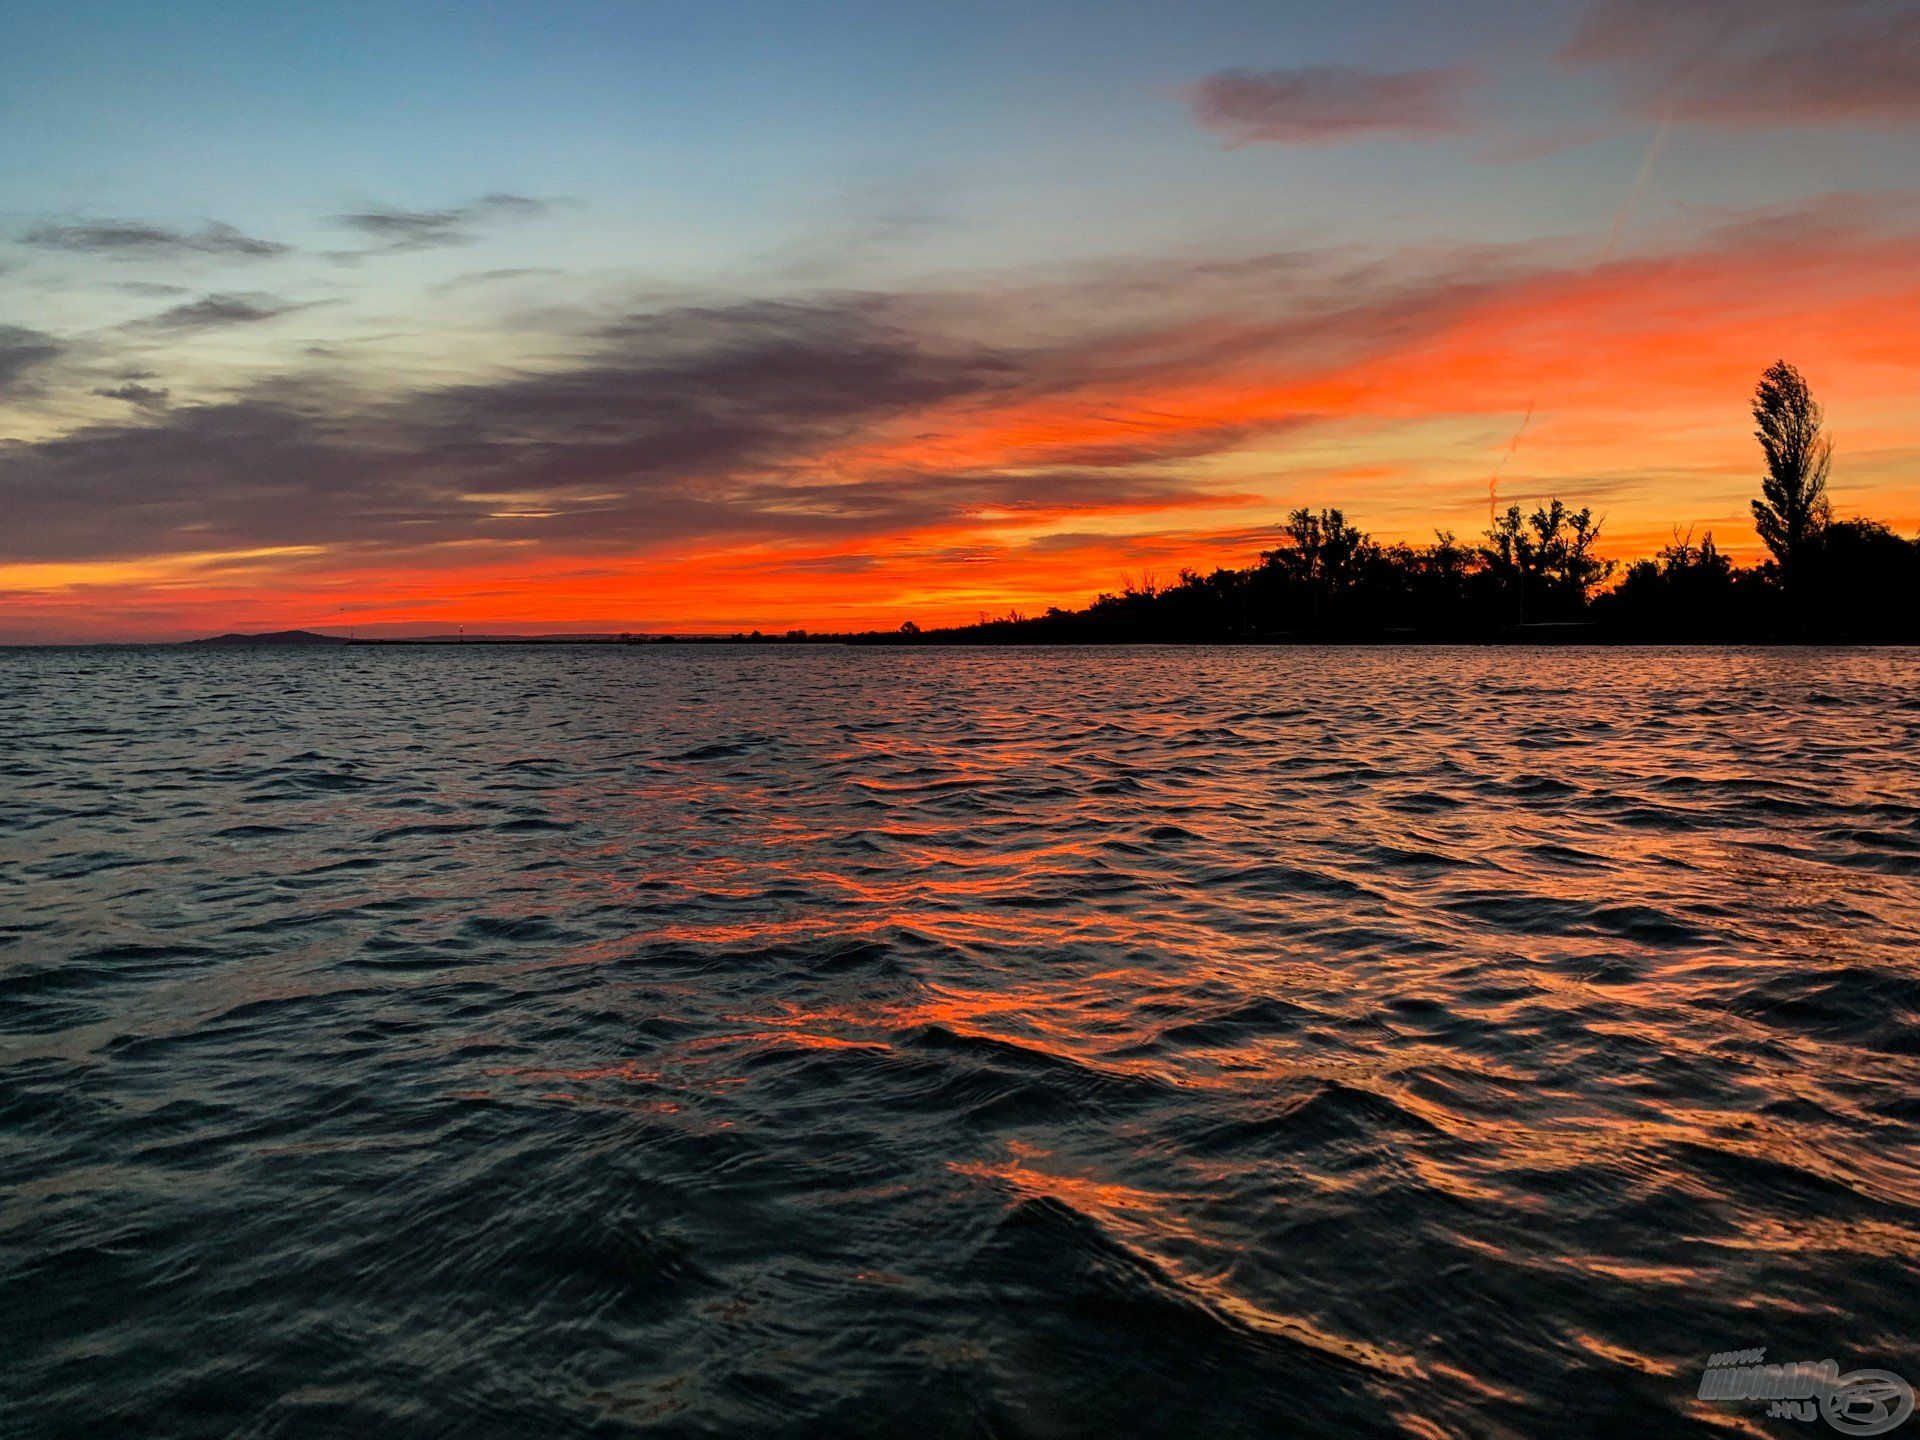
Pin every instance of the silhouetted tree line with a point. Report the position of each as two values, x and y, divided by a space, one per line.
1536 576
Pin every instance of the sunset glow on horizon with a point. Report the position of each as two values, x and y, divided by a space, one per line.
652 327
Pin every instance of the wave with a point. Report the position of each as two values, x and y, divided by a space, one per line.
699 1041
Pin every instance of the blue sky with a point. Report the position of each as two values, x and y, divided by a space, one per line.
700 127
690 133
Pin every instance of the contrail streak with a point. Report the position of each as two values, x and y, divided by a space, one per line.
1493 481
1625 212
1621 216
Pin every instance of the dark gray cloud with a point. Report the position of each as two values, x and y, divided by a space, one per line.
134 393
750 418
212 312
1756 64
21 351
671 424
138 240
1330 104
391 229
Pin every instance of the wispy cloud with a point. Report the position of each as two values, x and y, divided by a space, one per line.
1759 64
214 311
137 240
1330 105
391 229
134 393
23 350
474 278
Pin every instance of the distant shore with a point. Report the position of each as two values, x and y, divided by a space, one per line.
1546 634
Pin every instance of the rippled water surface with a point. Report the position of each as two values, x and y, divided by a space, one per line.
585 1041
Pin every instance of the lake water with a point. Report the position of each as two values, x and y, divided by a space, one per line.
807 1041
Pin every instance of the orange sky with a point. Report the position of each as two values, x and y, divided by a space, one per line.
1190 434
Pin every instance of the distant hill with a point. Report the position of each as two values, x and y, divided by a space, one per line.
272 637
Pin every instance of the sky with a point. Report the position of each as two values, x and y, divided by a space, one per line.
399 318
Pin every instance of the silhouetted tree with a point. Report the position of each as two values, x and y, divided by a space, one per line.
1546 558
1844 580
1509 558
1322 556
1686 591
1859 581
1793 506
1565 540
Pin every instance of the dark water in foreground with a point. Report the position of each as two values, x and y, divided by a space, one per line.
813 1042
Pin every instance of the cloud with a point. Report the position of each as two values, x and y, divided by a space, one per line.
838 416
950 419
1758 64
22 350
138 240
491 277
680 422
215 311
1330 105
134 393
393 230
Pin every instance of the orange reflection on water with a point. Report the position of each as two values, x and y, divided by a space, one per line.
1156 1229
